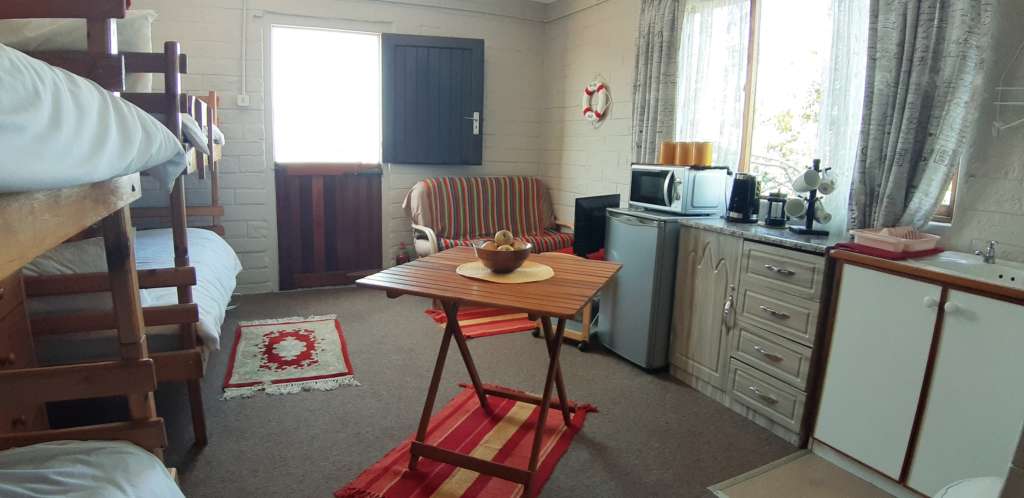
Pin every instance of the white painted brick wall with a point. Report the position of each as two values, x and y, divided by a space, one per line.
587 38
991 200
210 33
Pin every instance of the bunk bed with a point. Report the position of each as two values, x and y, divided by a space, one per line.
51 191
66 279
203 112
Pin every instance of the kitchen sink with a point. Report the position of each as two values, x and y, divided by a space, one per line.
1004 273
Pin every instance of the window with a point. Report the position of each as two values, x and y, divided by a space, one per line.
755 77
326 96
944 213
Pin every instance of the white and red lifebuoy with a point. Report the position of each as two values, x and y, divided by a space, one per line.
595 101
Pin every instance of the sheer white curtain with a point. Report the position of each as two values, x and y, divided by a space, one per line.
713 69
843 103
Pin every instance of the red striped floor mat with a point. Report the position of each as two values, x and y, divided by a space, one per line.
504 437
478 321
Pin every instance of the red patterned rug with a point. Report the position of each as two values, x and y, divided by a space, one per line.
288 355
481 321
505 437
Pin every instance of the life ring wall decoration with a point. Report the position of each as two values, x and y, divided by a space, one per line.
596 101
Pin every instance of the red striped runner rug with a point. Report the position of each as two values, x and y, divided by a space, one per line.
505 437
480 321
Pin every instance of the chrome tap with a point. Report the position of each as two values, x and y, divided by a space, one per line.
989 256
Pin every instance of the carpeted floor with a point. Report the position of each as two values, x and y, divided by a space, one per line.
652 437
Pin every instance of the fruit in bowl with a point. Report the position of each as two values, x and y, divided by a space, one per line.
504 254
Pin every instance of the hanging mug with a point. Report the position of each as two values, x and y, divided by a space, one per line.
821 215
796 207
828 183
807 181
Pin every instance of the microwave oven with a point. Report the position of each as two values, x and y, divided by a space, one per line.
679 189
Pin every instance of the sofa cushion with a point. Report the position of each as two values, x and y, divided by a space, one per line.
476 207
548 241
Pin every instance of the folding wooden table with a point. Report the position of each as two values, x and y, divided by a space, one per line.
575 283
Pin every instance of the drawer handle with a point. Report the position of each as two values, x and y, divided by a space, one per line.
780 271
767 398
8 360
768 354
775 313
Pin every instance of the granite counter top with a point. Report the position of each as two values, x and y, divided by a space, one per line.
769 235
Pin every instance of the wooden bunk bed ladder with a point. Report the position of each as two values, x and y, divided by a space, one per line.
329 223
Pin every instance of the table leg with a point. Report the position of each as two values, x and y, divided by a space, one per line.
563 400
544 404
451 311
435 381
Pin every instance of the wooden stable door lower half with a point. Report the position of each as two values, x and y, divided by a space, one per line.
328 223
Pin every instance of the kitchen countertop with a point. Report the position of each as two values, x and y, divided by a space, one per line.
769 235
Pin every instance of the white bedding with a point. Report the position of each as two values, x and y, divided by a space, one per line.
195 134
84 469
59 130
215 262
134 34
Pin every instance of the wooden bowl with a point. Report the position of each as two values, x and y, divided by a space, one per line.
502 261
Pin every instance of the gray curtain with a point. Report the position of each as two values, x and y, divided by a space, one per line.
924 62
654 94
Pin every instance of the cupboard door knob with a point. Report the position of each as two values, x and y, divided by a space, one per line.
931 302
8 360
952 307
3 291
19 422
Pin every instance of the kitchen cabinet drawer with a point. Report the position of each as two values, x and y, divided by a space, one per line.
770 397
10 293
791 317
781 358
783 270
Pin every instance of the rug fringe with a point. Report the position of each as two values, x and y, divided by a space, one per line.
290 387
274 321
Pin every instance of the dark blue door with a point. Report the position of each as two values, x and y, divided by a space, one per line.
433 99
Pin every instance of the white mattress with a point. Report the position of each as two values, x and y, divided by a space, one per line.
59 130
216 266
84 469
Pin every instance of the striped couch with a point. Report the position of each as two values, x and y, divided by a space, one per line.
453 211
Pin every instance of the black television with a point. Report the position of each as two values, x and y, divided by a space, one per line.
588 226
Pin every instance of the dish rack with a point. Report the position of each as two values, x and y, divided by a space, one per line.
895 239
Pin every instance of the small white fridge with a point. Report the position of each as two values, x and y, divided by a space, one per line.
636 305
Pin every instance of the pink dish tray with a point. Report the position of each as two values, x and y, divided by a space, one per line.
895 239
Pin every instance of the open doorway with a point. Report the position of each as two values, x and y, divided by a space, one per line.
326 122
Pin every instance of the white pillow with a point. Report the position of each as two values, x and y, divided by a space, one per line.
59 130
134 34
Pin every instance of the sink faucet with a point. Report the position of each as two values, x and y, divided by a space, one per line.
989 256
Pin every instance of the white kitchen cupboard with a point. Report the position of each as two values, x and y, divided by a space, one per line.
975 405
707 273
878 355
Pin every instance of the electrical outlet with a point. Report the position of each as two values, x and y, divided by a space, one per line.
243 100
